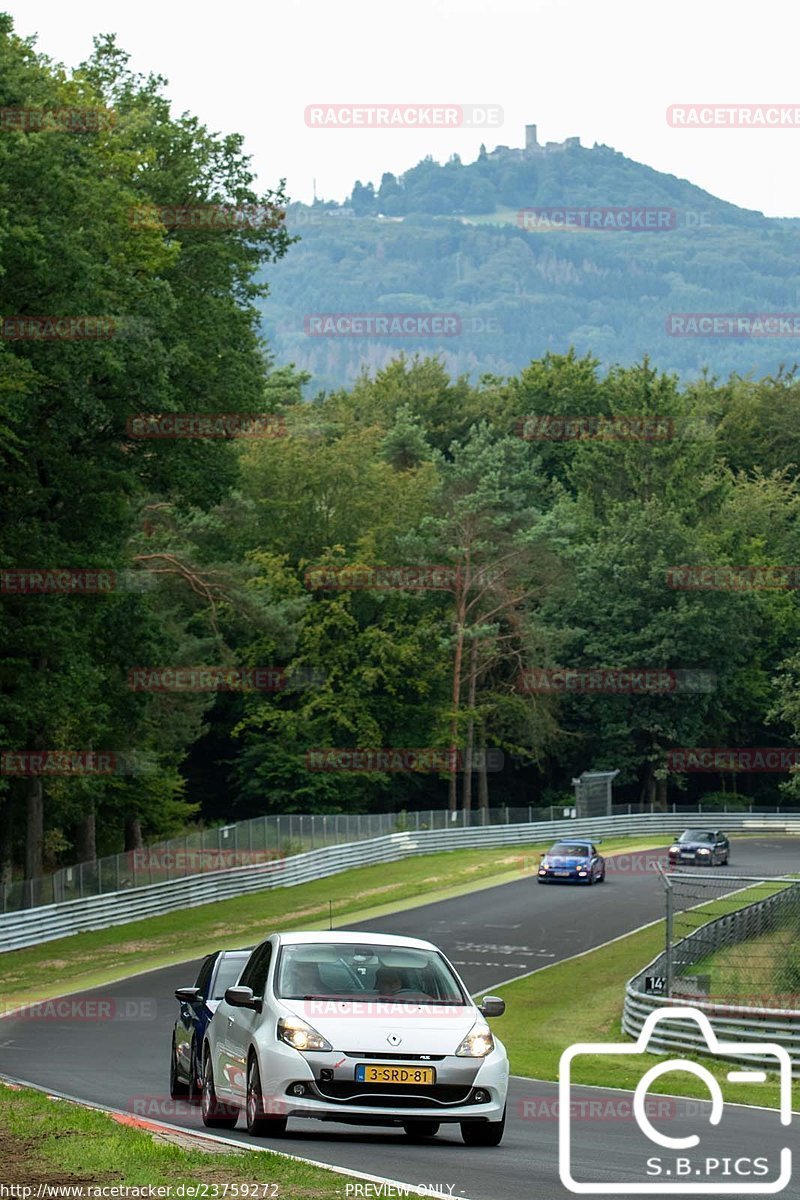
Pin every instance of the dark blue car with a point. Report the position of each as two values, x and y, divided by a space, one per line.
218 971
572 860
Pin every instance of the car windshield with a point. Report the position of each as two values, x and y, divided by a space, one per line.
228 974
696 835
346 971
572 848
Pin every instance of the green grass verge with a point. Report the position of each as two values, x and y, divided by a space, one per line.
88 960
762 967
56 1142
580 1000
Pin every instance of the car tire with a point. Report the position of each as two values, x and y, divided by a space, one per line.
259 1123
420 1131
215 1114
483 1133
177 1089
602 878
195 1082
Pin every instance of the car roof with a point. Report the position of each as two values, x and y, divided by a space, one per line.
353 937
576 841
698 831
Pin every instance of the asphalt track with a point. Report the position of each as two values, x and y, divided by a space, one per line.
492 936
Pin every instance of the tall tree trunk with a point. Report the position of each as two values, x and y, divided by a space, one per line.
34 805
473 685
461 601
86 839
650 786
6 834
483 783
34 837
661 795
133 834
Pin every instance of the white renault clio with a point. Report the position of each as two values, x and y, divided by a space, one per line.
368 1029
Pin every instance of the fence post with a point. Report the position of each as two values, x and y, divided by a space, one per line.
530 814
668 938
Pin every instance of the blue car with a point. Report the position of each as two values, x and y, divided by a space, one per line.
574 861
218 971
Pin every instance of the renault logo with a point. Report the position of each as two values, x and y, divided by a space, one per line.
394 1040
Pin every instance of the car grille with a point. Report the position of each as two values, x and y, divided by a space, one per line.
362 1054
404 1095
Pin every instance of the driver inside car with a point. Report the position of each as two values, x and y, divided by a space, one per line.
306 981
389 981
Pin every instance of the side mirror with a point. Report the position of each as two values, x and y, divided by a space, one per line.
188 995
242 997
492 1006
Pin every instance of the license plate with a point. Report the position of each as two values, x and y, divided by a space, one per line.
562 872
369 1074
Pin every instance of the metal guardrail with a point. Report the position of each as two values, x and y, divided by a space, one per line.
244 843
273 836
732 1022
48 922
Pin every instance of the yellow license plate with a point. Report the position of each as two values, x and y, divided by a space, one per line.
369 1074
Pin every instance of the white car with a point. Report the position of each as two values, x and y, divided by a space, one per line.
367 1029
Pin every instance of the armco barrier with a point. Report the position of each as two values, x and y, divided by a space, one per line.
736 1023
46 923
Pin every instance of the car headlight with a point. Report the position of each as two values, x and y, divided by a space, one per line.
703 851
300 1035
478 1042
674 849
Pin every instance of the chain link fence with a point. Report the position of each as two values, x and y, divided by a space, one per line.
262 839
247 843
733 940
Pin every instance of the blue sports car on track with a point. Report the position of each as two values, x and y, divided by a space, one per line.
218 971
575 861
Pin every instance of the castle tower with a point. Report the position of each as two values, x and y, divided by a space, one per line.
531 142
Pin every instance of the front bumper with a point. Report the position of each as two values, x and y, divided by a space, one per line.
691 860
564 875
465 1088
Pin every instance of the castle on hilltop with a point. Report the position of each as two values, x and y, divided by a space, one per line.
532 146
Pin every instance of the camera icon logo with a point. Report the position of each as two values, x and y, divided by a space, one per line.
701 1174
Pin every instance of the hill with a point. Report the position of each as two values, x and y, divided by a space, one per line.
462 239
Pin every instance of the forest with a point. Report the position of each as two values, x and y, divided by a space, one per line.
352 598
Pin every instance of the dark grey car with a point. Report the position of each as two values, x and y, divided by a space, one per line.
701 848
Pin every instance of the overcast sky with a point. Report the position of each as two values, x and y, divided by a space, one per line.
604 72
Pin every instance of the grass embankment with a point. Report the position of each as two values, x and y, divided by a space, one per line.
581 999
88 960
764 970
57 1143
